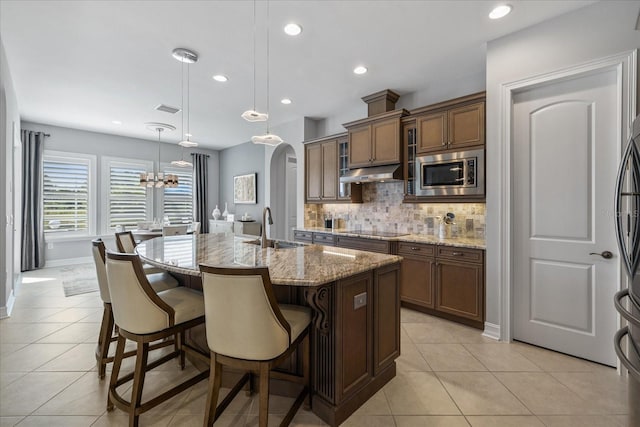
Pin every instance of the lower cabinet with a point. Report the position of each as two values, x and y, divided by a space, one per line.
444 281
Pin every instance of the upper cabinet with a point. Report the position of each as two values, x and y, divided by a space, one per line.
450 125
375 141
326 160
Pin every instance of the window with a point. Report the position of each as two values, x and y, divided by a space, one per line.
67 194
126 202
178 201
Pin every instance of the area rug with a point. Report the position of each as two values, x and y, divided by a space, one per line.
79 279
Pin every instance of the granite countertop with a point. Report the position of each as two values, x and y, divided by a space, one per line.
465 242
304 265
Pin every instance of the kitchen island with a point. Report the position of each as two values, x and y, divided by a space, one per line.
354 295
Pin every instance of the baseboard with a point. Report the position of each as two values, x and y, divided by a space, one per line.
68 261
491 330
6 311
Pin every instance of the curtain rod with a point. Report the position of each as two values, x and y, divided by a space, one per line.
46 134
202 154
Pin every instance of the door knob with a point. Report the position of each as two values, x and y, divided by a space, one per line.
604 254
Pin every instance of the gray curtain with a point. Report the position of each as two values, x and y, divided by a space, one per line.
200 188
32 231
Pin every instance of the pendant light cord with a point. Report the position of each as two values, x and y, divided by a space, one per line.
182 99
254 55
268 25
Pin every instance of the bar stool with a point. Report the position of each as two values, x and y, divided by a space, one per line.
126 244
144 316
158 281
248 330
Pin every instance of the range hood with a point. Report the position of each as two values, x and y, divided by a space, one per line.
373 174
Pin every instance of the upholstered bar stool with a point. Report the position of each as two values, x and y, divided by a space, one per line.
158 281
126 244
248 330
144 316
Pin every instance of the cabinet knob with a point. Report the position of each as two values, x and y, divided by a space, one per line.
457 253
413 248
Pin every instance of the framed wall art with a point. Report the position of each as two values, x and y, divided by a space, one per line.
244 189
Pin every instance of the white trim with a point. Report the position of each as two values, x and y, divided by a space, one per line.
6 311
626 65
491 330
68 261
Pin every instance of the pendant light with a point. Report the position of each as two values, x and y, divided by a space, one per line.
253 115
159 180
189 57
268 138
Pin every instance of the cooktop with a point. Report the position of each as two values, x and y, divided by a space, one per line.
377 233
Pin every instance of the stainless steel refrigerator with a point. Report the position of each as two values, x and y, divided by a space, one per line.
627 301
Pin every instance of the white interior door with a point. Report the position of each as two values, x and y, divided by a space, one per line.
566 137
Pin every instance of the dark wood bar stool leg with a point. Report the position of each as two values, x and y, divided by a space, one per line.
263 411
117 362
104 340
138 382
213 392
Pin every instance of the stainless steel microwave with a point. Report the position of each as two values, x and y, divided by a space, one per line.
458 173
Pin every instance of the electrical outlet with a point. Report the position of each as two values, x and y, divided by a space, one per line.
359 300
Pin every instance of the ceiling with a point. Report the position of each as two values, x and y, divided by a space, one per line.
84 64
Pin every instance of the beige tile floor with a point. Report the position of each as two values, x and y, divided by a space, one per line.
448 375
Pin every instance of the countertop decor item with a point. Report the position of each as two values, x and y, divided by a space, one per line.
244 189
216 213
225 214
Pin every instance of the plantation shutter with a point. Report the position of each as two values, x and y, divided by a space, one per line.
127 199
178 201
65 196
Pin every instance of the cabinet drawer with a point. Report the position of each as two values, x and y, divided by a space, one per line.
415 249
461 254
372 245
303 236
324 239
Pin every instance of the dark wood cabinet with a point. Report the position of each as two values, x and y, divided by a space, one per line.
313 172
303 236
326 239
445 281
451 125
375 141
417 273
364 244
325 160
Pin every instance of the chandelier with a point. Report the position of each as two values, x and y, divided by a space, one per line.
159 180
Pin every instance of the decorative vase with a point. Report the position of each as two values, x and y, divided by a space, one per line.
216 213
226 212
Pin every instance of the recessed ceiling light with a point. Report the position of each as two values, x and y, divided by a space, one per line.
285 101
116 122
220 78
360 70
500 11
292 29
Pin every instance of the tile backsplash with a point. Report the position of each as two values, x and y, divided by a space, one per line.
382 210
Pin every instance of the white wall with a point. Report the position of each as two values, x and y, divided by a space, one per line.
100 144
9 120
597 31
